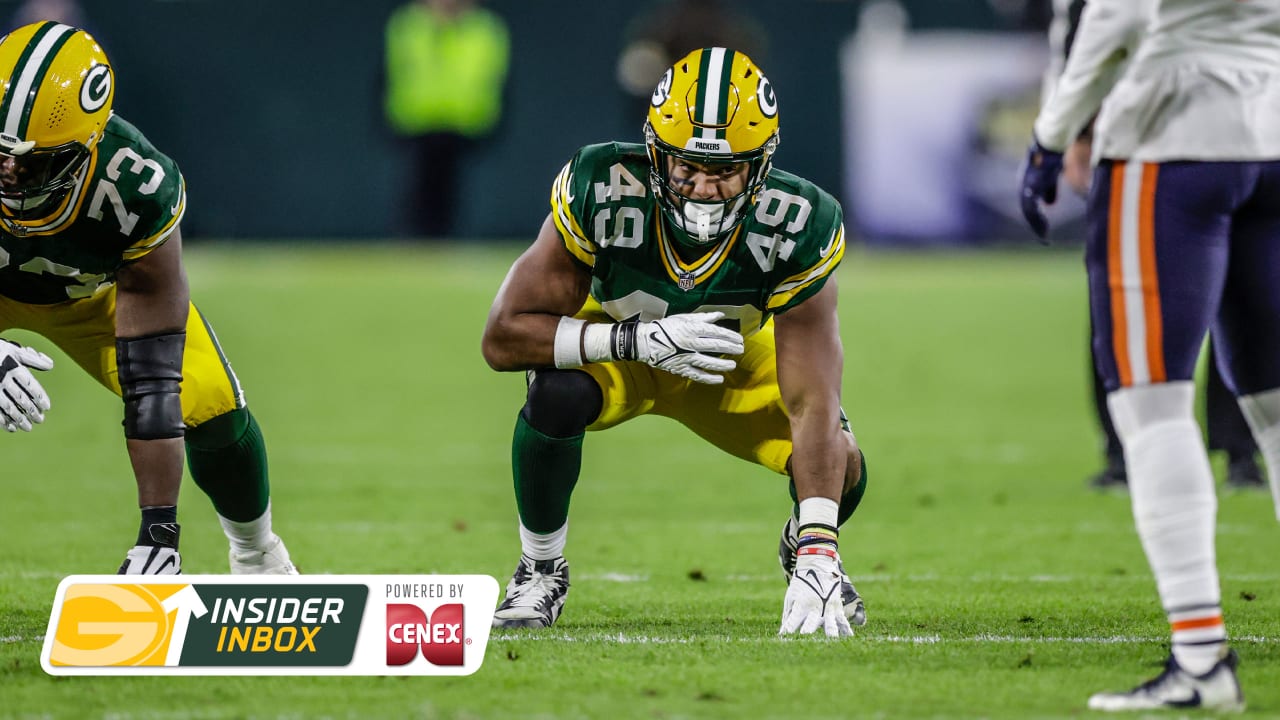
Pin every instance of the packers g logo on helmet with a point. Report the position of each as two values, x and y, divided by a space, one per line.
663 91
57 90
96 90
768 102
713 107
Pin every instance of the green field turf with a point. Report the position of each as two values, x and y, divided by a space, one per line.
996 584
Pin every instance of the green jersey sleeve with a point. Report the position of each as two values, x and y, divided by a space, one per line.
566 207
819 245
138 189
597 197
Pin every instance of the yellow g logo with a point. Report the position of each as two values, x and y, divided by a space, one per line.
114 625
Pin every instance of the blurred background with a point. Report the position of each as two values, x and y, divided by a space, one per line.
914 112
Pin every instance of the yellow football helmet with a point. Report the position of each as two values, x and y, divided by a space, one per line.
57 93
713 107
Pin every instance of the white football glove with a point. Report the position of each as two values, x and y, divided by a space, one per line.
686 345
813 598
22 400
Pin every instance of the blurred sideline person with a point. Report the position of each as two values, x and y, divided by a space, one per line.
1225 425
67 12
91 258
445 67
670 29
1184 229
685 277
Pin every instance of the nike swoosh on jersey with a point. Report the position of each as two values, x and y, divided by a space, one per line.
826 248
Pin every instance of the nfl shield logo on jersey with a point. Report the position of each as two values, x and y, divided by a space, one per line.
686 281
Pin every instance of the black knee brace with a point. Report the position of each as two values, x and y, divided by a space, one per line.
150 373
561 403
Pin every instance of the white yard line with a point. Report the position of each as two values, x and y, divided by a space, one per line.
628 639
772 577
996 577
20 639
616 577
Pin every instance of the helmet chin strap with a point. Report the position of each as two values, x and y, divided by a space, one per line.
699 217
704 227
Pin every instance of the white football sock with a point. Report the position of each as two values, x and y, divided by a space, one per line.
1262 410
543 547
252 535
1174 509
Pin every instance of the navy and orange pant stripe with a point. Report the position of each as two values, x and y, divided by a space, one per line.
1177 250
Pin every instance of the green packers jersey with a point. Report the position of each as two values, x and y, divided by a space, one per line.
783 252
128 200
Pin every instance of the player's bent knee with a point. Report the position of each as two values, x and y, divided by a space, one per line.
562 403
1134 409
853 466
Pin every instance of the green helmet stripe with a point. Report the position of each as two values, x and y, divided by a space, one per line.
17 71
24 83
713 91
726 87
704 62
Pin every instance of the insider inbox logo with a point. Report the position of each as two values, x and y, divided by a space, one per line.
440 637
269 625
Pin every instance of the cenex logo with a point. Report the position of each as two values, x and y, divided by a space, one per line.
441 640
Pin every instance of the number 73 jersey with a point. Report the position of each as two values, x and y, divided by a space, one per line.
127 201
782 253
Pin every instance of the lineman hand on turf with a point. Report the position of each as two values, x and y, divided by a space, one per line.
813 598
22 400
1040 173
687 345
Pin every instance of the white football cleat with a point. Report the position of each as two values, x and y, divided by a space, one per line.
151 560
272 560
535 594
1217 689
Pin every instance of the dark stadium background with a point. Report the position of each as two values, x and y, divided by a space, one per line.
271 108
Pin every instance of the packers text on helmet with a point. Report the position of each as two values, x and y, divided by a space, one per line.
716 110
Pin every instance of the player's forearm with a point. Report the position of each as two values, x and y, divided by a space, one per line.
521 341
152 304
157 467
819 453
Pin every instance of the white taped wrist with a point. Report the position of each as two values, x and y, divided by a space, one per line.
819 511
568 346
597 342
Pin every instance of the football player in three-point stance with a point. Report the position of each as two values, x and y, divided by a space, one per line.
685 277
91 258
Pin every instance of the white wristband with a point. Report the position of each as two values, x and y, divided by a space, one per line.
567 351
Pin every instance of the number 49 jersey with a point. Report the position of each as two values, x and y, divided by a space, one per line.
782 253
128 200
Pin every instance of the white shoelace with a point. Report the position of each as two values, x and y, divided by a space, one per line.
533 592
